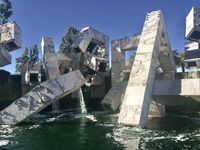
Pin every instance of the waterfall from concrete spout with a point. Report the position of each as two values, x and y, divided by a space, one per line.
55 106
82 102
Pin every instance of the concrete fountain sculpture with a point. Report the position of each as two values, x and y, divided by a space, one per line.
142 96
57 85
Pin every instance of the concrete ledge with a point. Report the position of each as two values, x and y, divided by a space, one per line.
183 87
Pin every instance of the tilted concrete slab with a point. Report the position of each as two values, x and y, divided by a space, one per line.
40 97
135 107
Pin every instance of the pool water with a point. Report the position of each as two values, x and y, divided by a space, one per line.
99 130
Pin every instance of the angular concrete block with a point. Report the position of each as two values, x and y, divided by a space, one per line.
88 35
193 25
10 36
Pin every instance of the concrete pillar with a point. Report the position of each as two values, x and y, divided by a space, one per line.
51 63
135 107
118 62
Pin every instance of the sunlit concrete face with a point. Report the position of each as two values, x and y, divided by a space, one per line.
193 25
118 56
153 46
10 36
10 39
115 95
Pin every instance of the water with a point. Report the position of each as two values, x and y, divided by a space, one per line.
99 130
82 102
55 106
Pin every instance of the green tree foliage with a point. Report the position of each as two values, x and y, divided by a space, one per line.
5 11
131 59
30 55
179 58
67 41
20 61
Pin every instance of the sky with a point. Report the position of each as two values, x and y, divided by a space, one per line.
115 18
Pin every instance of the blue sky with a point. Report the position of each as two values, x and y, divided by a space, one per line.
116 18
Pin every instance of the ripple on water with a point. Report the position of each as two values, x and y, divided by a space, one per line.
108 128
4 142
6 134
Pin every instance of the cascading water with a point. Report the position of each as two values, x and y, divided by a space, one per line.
55 106
82 102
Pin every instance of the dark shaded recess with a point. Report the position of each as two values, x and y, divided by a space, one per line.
43 76
10 88
169 122
34 77
194 36
191 64
77 50
91 47
69 103
108 83
65 103
102 66
12 45
192 54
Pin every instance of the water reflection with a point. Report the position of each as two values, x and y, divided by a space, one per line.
162 133
7 133
100 131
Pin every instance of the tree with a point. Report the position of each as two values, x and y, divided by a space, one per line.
67 41
20 61
179 58
131 59
29 55
5 11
